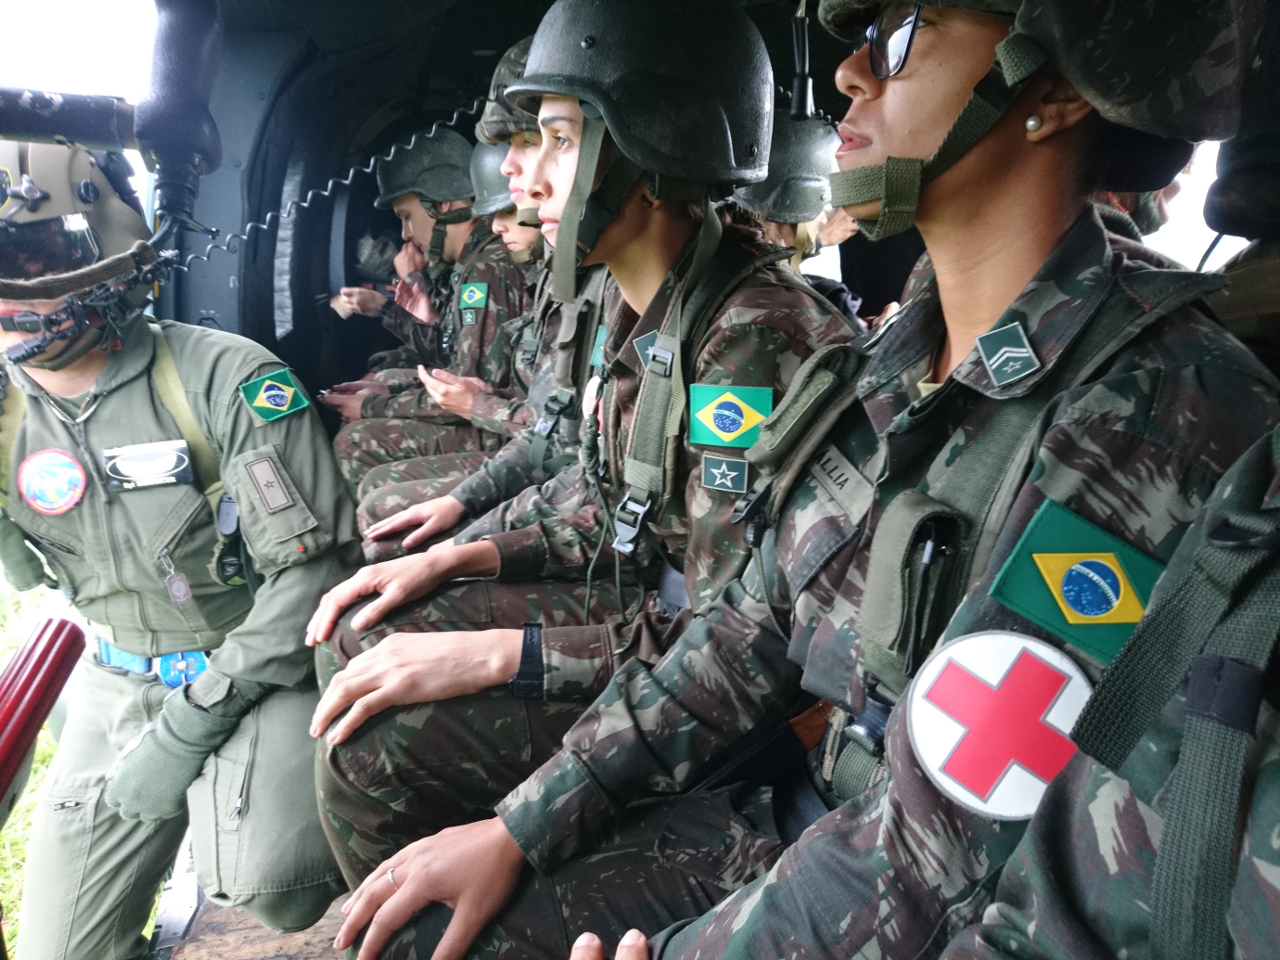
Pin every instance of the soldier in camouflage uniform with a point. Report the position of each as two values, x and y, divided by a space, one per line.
489 290
749 323
933 486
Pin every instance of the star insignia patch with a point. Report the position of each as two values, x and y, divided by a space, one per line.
728 416
724 474
273 396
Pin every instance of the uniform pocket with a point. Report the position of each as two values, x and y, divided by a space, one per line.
278 526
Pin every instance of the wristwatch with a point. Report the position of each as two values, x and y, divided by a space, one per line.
527 683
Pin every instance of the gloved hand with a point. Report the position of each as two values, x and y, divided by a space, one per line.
151 778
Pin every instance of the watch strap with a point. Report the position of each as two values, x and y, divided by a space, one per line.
527 684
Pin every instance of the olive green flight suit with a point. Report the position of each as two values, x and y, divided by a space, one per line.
121 556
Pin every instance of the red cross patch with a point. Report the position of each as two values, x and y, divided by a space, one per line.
990 717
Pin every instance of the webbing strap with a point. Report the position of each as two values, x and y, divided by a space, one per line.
564 261
14 406
164 374
435 250
898 182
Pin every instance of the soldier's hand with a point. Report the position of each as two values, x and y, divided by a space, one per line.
633 946
450 391
838 228
473 869
348 405
399 581
359 300
409 668
409 260
360 387
433 517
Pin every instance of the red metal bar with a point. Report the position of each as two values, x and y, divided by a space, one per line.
29 687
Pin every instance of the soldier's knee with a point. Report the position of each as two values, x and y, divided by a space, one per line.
286 911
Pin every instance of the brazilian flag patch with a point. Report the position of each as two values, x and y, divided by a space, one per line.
474 295
727 416
1077 581
274 396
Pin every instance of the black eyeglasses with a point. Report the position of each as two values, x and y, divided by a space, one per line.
890 36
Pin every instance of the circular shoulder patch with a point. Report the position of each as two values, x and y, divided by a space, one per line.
51 482
990 717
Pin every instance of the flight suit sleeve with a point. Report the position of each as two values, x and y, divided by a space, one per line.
298 522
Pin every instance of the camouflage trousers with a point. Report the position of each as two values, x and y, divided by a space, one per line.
410 772
364 444
667 861
393 487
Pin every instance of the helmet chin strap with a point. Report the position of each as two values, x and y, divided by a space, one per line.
438 233
88 339
898 182
587 212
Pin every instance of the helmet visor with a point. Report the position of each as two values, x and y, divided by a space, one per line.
45 248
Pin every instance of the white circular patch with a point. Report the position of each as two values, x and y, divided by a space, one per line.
990 718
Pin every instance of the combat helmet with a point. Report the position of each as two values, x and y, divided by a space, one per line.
492 188
501 121
71 227
696 125
801 158
437 167
1163 75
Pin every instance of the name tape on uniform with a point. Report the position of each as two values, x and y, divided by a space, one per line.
273 396
139 465
990 716
1077 581
728 416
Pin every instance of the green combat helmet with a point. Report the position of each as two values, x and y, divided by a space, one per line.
438 169
801 159
500 121
70 227
695 124
492 188
1163 75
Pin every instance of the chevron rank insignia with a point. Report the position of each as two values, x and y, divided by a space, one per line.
727 416
474 295
273 396
724 474
1007 354
1077 581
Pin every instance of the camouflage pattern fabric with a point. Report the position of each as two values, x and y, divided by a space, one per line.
364 444
411 772
896 870
765 329
551 356
1079 885
432 477
475 345
1249 307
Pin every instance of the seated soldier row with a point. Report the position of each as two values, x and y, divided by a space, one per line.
837 602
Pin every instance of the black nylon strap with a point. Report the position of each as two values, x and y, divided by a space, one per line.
1225 691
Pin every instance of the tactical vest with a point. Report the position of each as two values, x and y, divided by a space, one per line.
928 549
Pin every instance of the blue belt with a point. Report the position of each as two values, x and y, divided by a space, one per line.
173 669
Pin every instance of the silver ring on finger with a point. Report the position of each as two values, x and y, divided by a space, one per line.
391 878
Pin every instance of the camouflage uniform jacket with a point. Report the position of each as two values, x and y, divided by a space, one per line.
763 331
560 338
474 333
1135 451
1079 885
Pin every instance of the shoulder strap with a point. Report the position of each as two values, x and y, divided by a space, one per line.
1214 616
661 404
164 374
13 405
